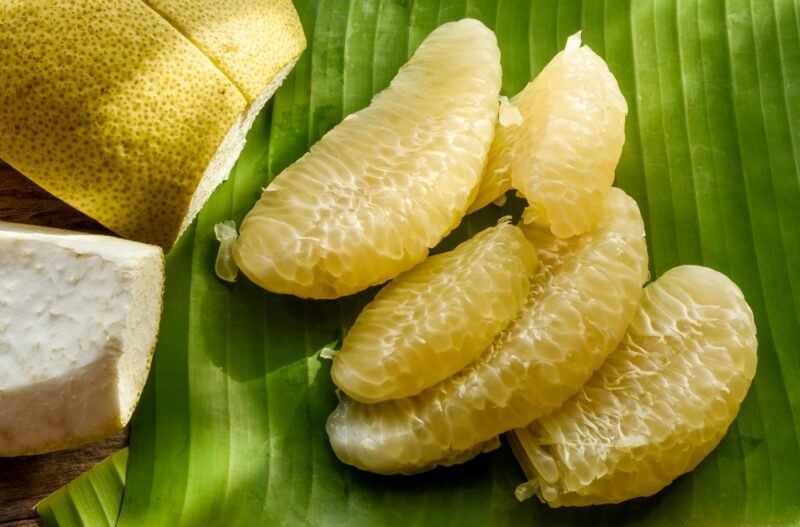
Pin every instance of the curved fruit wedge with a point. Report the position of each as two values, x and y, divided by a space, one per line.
433 320
658 405
388 183
563 156
580 303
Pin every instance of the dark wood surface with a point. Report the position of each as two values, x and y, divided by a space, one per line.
26 480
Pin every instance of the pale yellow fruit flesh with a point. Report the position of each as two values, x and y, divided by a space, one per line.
250 41
563 155
106 105
433 320
388 183
581 301
660 403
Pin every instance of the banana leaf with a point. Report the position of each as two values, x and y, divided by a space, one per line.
92 498
230 430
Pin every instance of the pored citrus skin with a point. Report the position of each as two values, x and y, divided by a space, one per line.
581 300
659 404
431 321
370 199
249 41
562 149
134 111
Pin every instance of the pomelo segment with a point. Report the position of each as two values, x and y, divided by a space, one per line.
388 183
433 320
660 403
581 301
563 156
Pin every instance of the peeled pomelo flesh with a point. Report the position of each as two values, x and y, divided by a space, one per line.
388 183
431 321
581 301
658 405
563 155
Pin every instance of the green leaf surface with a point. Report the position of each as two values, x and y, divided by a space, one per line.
92 499
230 430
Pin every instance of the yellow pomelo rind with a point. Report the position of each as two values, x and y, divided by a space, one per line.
581 301
250 41
388 183
433 320
658 405
106 105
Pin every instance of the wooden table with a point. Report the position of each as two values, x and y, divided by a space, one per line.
26 480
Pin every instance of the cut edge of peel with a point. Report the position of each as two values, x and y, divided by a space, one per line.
221 165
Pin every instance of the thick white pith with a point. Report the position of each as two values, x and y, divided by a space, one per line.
228 152
79 316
